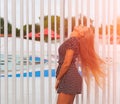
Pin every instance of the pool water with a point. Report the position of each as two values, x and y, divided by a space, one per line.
25 59
18 62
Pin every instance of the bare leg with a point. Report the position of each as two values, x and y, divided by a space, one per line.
65 98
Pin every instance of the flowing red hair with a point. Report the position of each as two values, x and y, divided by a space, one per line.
91 62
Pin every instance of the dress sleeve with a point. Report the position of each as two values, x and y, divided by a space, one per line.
73 44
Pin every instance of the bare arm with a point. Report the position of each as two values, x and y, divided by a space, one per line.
66 63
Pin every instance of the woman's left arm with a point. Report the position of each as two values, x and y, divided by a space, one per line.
67 61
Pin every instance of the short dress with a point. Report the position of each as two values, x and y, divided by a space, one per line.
71 82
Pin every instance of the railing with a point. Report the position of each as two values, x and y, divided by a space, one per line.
27 67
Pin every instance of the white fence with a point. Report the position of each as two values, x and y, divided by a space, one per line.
27 67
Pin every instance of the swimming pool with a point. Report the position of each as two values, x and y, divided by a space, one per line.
18 61
25 60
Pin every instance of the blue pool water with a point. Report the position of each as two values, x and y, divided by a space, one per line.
25 59
18 61
37 59
37 74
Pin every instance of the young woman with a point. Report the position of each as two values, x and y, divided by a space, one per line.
79 46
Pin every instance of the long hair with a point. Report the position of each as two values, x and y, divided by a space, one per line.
91 62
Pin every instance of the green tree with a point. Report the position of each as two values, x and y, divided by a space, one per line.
65 23
65 27
73 23
2 26
9 28
17 32
52 23
37 28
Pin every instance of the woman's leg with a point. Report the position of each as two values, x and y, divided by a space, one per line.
65 98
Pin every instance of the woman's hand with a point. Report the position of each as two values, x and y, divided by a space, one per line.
57 83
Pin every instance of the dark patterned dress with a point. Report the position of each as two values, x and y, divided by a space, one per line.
71 82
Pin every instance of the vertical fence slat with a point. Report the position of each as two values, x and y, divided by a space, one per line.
114 52
108 53
21 53
27 23
76 12
76 24
81 12
49 51
61 21
55 29
90 79
69 17
33 53
88 13
6 49
97 100
104 93
84 92
42 95
0 51
0 24
14 50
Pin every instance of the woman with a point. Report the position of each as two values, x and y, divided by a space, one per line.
79 46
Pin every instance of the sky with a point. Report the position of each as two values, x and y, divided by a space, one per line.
72 9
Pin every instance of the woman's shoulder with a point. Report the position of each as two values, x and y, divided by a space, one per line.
72 42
